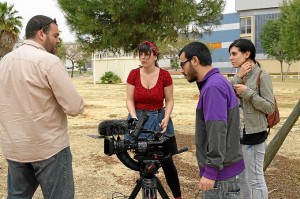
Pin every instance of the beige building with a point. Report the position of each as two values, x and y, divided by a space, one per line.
253 16
120 64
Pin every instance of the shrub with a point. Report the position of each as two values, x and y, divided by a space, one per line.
110 78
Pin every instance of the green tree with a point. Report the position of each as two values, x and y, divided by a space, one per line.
61 51
270 37
170 50
123 24
290 29
78 57
10 25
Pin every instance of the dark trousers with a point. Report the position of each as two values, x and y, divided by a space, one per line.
171 176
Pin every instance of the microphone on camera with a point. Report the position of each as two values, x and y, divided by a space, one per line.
113 127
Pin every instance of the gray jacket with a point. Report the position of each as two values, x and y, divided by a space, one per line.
256 106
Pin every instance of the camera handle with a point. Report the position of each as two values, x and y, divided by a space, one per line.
149 182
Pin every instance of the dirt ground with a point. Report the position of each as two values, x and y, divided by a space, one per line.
98 176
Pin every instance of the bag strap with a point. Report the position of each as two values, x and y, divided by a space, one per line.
258 82
258 85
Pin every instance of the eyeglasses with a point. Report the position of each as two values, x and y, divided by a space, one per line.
183 63
43 26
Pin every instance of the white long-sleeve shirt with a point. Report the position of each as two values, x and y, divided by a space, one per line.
36 95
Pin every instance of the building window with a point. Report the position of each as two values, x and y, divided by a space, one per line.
246 25
247 28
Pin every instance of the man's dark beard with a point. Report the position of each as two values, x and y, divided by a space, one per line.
192 79
192 75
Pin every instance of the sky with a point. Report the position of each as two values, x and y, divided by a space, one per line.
30 8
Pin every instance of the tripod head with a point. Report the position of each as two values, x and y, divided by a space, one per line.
149 168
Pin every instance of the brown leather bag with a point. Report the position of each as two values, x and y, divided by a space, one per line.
274 117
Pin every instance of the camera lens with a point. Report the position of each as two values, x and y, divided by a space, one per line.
142 146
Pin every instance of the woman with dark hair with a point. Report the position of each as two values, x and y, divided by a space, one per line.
148 88
255 104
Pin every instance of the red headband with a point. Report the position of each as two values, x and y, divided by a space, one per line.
153 46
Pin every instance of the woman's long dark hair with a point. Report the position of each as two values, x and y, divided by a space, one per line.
245 45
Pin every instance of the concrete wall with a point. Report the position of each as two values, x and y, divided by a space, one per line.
120 66
273 66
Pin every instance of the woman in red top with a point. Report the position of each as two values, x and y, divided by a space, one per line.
148 87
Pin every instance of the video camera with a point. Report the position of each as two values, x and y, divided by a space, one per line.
154 147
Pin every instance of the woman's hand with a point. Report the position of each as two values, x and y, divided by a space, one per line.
164 124
239 88
245 68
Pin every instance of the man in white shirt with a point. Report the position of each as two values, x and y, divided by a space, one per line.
36 97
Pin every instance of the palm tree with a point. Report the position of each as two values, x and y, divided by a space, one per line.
10 26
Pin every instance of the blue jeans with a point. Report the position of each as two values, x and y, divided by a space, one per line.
253 183
155 118
225 189
54 175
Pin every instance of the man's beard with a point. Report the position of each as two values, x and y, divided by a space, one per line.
49 47
192 79
191 76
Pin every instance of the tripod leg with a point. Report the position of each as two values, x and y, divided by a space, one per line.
161 190
136 189
149 186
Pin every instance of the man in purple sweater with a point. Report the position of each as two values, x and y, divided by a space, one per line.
217 134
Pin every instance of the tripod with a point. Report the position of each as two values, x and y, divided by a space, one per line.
148 181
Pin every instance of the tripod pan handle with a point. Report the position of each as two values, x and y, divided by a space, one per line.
182 150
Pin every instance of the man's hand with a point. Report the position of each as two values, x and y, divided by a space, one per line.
206 184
